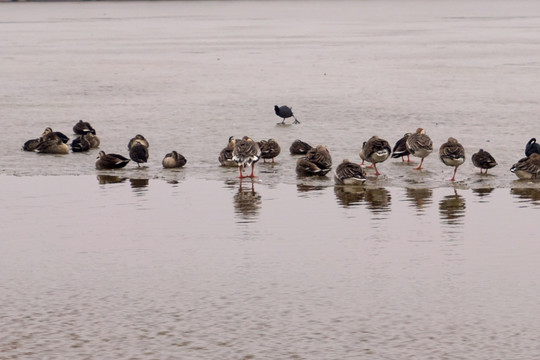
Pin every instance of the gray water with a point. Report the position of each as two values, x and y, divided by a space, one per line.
194 264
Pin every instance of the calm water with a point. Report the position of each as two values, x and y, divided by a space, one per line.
191 263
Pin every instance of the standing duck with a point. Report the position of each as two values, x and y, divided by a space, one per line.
298 147
83 127
348 173
528 167
138 152
246 153
316 162
110 161
532 147
285 112
376 150
173 160
226 155
452 153
400 148
483 160
419 145
269 149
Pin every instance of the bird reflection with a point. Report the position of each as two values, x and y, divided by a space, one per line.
349 195
307 187
482 192
420 198
110 179
452 209
378 200
527 194
247 201
138 183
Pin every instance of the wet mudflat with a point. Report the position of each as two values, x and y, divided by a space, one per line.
192 263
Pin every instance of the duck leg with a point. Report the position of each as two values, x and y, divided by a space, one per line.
454 177
376 171
252 170
419 166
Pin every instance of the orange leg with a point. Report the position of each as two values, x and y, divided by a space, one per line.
454 177
376 171
419 166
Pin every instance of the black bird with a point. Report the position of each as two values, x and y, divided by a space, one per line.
483 160
400 149
285 112
532 147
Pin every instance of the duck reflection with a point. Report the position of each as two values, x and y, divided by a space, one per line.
247 202
527 194
419 198
452 209
139 185
378 200
302 188
482 192
349 195
110 179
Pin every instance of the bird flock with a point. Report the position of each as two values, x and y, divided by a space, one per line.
314 161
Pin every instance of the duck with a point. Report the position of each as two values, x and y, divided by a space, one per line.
269 149
138 152
528 167
110 161
226 155
363 155
246 152
80 144
93 140
173 160
316 162
139 138
51 143
452 153
48 133
532 147
299 147
83 127
420 145
376 150
285 112
348 173
400 149
31 144
483 160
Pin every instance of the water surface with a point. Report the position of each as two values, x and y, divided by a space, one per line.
192 263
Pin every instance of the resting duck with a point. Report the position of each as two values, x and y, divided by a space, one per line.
376 150
226 155
93 140
400 148
31 144
285 112
50 134
269 149
452 153
80 144
532 147
110 161
483 160
173 160
348 173
298 147
51 143
419 145
528 167
316 162
246 152
83 127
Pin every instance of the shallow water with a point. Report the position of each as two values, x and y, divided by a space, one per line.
192 263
